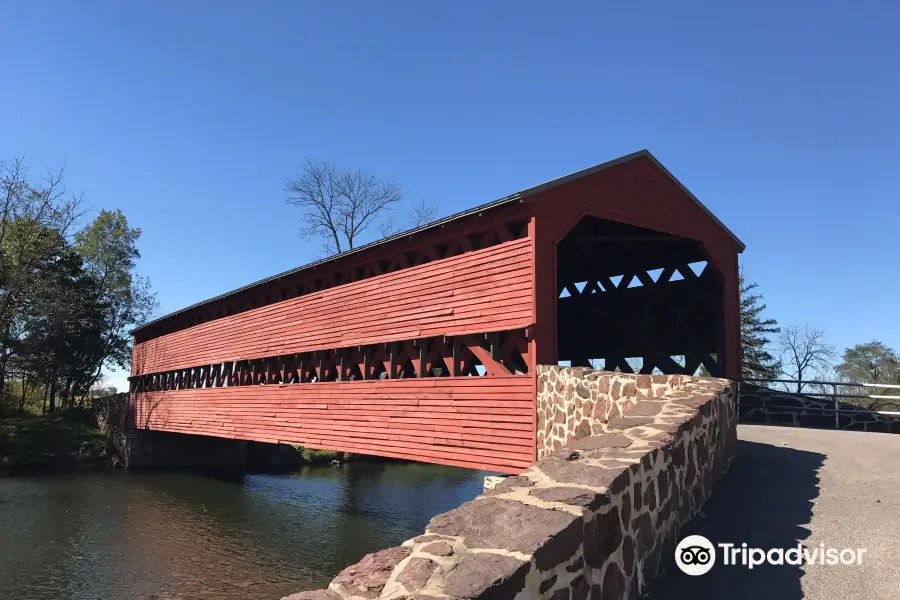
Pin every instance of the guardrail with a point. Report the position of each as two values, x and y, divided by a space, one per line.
836 393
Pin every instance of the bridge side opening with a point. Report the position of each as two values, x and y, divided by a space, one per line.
638 301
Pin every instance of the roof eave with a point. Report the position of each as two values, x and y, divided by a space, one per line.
517 197
505 201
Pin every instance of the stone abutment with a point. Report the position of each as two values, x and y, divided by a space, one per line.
625 462
139 448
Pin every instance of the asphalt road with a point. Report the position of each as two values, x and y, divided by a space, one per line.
793 485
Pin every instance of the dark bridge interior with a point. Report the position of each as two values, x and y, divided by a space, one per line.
637 300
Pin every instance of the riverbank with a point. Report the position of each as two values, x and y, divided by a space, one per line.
283 458
71 440
55 442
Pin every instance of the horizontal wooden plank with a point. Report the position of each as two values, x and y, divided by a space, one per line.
485 290
317 304
481 422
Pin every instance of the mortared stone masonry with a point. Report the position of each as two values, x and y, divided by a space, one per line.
625 462
758 404
578 402
137 448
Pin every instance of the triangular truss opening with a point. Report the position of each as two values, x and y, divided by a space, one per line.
439 368
698 267
355 373
516 363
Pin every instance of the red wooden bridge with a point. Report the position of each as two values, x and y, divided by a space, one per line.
424 345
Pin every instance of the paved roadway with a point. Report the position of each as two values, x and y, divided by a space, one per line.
791 485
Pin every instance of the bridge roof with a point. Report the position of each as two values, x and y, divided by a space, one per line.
477 210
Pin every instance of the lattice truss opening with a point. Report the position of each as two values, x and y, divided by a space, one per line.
493 354
637 300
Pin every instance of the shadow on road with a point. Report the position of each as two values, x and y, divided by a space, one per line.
766 501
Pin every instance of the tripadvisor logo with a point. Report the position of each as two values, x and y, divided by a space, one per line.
696 555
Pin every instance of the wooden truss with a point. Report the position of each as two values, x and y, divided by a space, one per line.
627 293
486 354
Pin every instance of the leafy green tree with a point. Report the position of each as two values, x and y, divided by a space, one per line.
33 216
63 322
65 305
872 362
756 332
108 247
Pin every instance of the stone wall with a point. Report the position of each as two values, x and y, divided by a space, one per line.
178 450
596 517
577 402
137 448
775 407
115 419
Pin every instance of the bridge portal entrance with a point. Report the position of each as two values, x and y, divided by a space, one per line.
637 300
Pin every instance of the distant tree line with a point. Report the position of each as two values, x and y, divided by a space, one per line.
68 296
800 354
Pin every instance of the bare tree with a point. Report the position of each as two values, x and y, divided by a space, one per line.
338 204
420 213
805 354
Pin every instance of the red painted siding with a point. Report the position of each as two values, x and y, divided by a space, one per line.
451 239
480 291
475 422
479 422
636 192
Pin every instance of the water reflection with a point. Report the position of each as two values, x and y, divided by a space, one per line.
182 535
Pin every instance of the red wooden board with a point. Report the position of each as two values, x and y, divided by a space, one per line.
484 290
476 422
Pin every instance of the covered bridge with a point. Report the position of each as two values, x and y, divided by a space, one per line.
424 345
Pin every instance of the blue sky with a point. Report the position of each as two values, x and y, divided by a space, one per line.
781 117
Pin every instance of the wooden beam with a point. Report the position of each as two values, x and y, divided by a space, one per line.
590 238
455 357
422 345
493 340
484 355
367 361
392 359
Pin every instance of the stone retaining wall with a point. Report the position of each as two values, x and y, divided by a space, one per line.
576 402
595 517
775 407
161 449
144 448
115 419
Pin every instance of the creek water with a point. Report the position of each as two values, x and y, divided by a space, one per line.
173 535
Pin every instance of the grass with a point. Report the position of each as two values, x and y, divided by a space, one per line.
310 456
53 442
320 456
288 456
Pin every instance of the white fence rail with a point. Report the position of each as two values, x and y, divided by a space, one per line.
837 391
